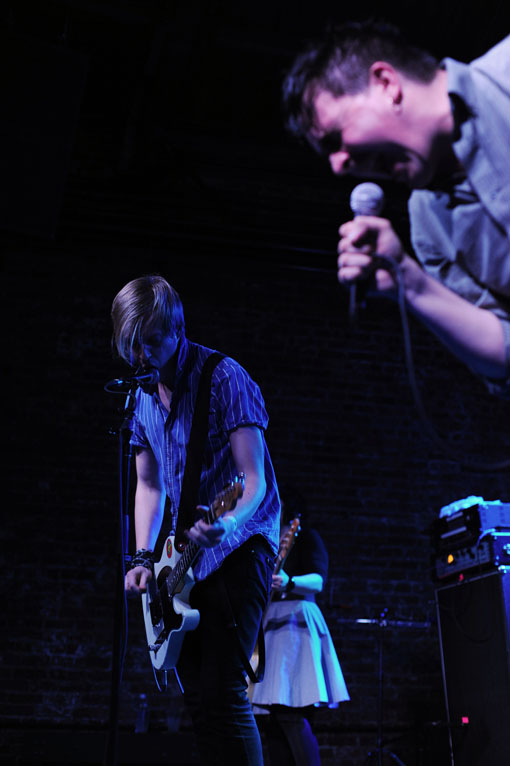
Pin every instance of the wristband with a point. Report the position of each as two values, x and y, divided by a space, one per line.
143 558
290 585
234 528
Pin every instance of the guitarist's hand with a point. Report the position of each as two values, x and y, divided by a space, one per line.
208 535
136 580
280 581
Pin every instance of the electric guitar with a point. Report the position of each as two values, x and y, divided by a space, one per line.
166 610
286 542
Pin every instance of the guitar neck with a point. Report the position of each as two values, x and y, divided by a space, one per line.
223 502
188 557
279 564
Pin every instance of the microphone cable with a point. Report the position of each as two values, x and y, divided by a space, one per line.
471 462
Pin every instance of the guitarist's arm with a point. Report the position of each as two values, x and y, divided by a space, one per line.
149 509
248 453
302 585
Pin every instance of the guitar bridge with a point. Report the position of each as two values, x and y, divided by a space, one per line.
154 647
160 640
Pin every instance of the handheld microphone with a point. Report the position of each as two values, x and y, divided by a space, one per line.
144 376
366 199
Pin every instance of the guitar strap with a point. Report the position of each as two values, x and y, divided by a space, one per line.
189 496
255 676
195 452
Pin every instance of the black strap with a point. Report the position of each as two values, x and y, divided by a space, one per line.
255 676
195 452
189 495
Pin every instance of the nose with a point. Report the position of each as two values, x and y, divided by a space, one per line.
339 162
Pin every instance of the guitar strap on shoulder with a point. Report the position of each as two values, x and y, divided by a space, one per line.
189 494
195 451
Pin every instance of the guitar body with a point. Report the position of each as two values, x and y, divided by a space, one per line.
166 610
168 618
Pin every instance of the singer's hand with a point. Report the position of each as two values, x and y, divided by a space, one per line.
360 240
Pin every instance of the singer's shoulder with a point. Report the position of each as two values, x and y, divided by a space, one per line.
496 61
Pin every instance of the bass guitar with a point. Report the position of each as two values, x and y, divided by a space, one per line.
167 613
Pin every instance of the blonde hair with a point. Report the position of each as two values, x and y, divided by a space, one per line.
144 301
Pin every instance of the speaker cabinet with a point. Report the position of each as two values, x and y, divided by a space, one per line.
474 631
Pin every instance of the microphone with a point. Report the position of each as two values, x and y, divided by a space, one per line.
144 376
366 199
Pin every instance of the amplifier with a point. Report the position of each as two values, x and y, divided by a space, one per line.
491 552
462 523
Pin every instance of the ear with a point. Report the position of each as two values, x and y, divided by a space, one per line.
387 81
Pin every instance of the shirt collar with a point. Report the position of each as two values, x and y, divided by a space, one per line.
463 101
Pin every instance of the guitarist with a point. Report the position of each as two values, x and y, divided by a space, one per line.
302 669
233 570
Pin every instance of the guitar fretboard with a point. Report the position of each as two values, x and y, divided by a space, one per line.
222 503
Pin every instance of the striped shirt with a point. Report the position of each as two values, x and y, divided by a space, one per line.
236 401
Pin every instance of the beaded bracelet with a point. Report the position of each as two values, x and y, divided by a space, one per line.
143 558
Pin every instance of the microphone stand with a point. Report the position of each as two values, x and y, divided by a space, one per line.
120 605
381 623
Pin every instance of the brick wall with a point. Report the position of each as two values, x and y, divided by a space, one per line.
343 430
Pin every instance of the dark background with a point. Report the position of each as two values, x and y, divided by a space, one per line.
146 137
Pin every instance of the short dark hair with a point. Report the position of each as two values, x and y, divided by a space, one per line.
340 62
140 303
293 503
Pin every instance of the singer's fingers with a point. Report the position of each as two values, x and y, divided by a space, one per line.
351 228
384 281
358 260
361 223
354 266
357 239
348 274
346 246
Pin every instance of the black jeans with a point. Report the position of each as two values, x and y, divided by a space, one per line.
210 667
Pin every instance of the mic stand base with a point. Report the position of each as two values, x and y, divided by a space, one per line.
380 751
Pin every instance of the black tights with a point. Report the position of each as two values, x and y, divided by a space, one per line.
289 737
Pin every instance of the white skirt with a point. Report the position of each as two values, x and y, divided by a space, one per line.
302 666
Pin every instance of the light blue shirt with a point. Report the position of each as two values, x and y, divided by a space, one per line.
461 234
235 401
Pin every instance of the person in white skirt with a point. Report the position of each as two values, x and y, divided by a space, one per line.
302 669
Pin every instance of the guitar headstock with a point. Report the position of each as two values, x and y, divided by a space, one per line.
226 499
287 541
288 538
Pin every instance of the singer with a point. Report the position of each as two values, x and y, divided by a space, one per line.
380 108
234 568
